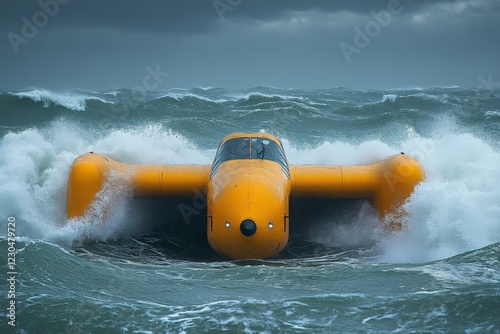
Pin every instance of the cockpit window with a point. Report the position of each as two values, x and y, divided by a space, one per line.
250 148
236 149
259 147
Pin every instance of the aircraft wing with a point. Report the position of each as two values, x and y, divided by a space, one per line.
387 184
90 172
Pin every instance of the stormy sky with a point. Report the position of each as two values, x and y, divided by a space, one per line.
91 44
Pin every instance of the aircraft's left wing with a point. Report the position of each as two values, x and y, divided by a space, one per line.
387 184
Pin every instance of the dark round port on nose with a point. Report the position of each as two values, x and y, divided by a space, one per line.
248 227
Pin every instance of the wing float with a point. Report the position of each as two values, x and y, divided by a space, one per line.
248 187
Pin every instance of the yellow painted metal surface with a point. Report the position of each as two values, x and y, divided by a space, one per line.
85 179
387 184
89 172
248 199
250 135
248 189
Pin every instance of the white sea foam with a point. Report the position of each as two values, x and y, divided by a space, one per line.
441 98
247 96
338 153
34 166
492 113
183 95
71 101
389 97
455 210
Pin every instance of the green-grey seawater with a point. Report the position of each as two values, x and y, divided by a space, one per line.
143 270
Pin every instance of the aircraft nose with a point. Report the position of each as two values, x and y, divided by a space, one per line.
248 227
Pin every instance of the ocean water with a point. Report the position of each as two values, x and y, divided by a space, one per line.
143 270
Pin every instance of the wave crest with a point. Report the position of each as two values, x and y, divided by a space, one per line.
72 101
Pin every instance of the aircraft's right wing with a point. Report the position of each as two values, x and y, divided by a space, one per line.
90 172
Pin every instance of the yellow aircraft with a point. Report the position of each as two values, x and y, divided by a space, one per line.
248 187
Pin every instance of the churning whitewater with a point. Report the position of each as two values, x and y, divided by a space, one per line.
131 272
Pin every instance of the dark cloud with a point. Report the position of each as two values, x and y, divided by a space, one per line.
241 43
196 15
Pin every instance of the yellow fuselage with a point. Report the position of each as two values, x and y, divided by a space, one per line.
242 192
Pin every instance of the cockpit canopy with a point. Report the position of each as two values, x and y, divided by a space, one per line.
241 148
